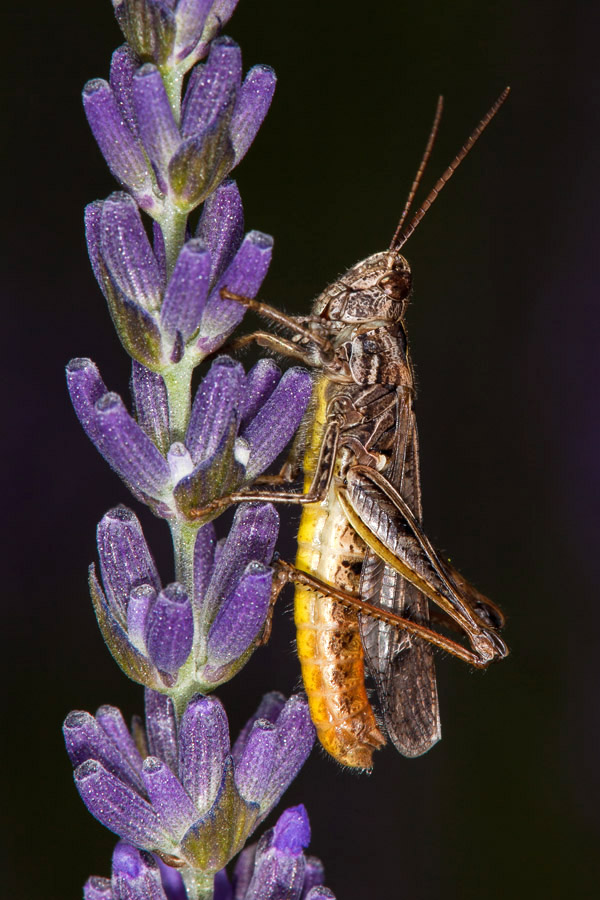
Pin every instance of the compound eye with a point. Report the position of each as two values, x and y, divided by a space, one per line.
396 283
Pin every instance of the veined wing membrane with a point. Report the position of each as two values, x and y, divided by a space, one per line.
382 518
401 665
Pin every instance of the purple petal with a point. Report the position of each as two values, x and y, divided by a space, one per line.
243 276
135 326
203 750
221 226
135 874
125 560
151 405
172 882
191 18
158 131
216 400
314 875
269 708
223 889
187 290
127 252
128 450
161 728
123 66
204 554
170 629
167 796
320 892
242 874
211 86
92 220
85 739
97 888
291 833
278 875
296 735
254 768
275 423
119 807
252 105
141 601
241 616
261 381
252 537
85 388
120 149
112 722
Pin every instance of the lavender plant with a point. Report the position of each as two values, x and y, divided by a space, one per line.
172 122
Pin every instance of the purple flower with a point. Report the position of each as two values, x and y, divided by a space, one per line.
179 789
179 641
238 425
274 869
160 320
166 164
135 876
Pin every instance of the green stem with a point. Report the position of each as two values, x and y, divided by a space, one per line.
173 224
198 885
178 381
184 541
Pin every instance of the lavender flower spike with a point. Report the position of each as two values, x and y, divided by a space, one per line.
182 800
184 797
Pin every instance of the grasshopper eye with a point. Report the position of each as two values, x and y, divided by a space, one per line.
396 283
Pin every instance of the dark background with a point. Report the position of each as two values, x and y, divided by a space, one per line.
504 334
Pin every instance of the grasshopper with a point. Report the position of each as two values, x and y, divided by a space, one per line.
365 571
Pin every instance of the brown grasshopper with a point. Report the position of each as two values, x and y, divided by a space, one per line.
366 572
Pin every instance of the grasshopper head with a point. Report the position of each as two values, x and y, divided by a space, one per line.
376 289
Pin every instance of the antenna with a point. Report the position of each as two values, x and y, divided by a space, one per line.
402 238
421 169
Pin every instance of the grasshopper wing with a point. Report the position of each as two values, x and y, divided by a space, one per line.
401 665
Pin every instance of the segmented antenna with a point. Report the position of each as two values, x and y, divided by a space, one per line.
401 239
421 169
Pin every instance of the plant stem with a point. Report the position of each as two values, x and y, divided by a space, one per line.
198 885
184 540
173 224
178 381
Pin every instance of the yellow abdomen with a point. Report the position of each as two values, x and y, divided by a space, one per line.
328 638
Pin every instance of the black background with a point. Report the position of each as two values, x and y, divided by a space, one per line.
504 334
